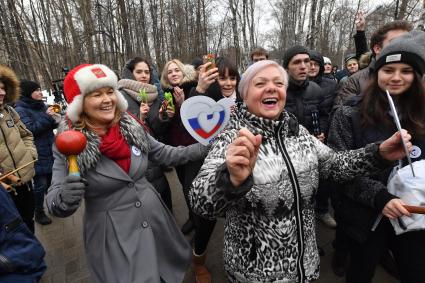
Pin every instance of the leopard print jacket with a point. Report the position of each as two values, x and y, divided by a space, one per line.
270 228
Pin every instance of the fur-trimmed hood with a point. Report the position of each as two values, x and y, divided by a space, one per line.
189 76
131 129
11 82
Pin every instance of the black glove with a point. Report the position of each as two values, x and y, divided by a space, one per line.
72 191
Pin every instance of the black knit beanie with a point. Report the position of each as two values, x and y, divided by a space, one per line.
196 62
317 57
28 87
291 52
408 49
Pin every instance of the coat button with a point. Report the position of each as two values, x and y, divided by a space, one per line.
138 204
145 224
130 185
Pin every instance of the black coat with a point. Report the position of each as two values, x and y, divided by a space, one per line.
302 100
178 135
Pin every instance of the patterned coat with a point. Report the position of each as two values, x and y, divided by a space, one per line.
129 234
270 222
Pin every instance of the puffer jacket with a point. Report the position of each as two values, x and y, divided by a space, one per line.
16 141
33 115
302 99
270 219
327 85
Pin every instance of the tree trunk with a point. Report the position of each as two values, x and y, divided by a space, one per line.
126 39
233 8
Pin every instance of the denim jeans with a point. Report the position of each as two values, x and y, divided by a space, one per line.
41 184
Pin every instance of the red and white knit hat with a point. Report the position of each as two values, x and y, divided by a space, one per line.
84 79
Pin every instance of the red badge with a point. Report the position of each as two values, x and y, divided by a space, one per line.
98 72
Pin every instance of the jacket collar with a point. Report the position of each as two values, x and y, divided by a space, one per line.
297 85
286 123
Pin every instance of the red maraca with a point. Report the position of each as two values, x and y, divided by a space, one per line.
71 143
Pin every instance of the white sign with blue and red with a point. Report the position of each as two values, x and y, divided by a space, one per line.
204 118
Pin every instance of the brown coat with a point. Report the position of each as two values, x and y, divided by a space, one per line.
354 85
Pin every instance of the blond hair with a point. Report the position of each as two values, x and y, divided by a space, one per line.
165 83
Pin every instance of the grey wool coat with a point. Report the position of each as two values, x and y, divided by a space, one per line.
129 234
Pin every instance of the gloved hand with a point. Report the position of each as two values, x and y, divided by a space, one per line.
72 191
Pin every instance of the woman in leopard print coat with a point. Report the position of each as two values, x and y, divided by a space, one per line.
269 208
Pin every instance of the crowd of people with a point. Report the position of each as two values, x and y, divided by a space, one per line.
305 143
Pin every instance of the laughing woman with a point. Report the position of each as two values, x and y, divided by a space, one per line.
129 234
262 174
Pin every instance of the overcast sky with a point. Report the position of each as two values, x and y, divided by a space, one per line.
266 21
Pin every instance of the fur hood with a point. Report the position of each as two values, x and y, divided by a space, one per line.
131 129
189 75
11 82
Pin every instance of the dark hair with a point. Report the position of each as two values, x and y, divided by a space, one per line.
374 107
259 51
136 60
223 64
380 34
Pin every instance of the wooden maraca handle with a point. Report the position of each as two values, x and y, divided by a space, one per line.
73 165
415 209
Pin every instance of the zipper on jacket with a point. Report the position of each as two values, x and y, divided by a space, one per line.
297 197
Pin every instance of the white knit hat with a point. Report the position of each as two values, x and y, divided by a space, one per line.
327 60
84 79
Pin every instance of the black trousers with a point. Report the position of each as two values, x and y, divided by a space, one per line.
322 197
24 202
408 250
203 227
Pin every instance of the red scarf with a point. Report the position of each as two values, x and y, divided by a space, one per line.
115 147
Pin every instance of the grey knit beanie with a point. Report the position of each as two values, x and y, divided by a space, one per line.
408 49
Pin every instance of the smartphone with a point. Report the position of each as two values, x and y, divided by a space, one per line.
209 58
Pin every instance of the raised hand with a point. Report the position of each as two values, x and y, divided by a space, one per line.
360 21
392 148
169 110
178 95
144 110
241 156
206 77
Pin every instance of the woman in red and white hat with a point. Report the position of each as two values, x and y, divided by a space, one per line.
129 234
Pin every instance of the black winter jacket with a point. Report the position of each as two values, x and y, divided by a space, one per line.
302 100
33 115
